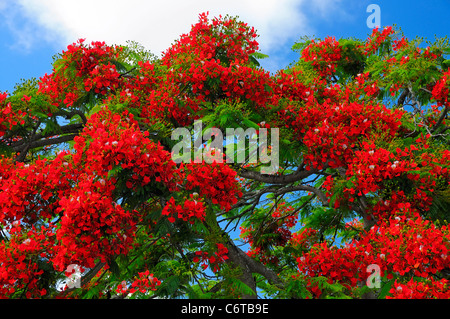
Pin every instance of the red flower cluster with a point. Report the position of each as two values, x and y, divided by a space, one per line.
373 165
332 131
81 69
377 38
441 89
30 192
210 62
93 226
224 36
8 117
216 182
105 229
324 55
145 282
428 289
20 273
403 246
284 218
364 86
191 210
78 190
113 141
68 210
400 44
375 169
215 259
290 86
304 239
102 78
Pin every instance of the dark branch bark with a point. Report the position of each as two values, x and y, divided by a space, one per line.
87 278
402 98
440 120
277 179
68 115
25 148
51 141
126 73
67 129
23 154
294 188
39 140
249 266
246 275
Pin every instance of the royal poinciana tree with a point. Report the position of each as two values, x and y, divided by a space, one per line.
88 182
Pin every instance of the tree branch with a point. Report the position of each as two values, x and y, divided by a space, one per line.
401 99
87 278
441 119
249 266
52 141
67 129
277 179
24 151
71 114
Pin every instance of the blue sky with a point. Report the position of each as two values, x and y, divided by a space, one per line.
32 31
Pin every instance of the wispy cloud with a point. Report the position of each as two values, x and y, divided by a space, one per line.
154 24
22 31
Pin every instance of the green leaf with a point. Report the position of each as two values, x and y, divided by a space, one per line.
252 124
385 289
95 109
39 114
120 67
92 293
408 141
170 285
259 55
59 64
446 64
254 61
241 287
91 100
114 171
5 149
114 267
268 88
50 126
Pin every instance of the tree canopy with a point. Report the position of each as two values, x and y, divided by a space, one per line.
357 208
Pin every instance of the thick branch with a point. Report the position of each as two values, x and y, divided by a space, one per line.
440 120
277 179
246 275
67 129
91 274
68 115
401 99
52 141
249 266
87 278
39 140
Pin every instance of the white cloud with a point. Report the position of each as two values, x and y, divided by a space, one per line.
23 32
156 24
